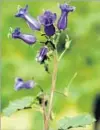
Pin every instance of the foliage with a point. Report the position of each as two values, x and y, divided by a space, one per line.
74 122
24 103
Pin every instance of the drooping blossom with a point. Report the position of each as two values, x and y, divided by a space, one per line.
27 38
63 20
21 84
32 22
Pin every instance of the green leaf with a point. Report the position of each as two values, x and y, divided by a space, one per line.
73 122
20 104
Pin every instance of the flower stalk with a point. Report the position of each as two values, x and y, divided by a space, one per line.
53 86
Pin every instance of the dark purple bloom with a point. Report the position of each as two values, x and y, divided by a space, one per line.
29 39
32 22
65 9
47 19
20 84
42 55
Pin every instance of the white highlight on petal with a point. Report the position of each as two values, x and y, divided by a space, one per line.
39 58
31 84
17 86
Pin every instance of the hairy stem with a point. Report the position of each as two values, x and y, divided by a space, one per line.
54 77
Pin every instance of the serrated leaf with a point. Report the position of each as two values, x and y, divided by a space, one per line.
73 122
18 105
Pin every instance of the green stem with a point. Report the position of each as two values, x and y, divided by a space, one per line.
54 77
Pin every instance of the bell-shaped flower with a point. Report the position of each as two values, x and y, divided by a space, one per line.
27 38
20 84
63 20
32 22
47 19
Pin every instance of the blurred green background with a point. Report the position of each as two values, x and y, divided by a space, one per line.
18 60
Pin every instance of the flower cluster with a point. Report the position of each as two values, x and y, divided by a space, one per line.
47 20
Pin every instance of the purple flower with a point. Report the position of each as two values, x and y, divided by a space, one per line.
47 19
32 22
62 22
29 39
42 55
20 84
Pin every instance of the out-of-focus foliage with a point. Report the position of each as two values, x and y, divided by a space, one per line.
73 122
18 60
24 103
